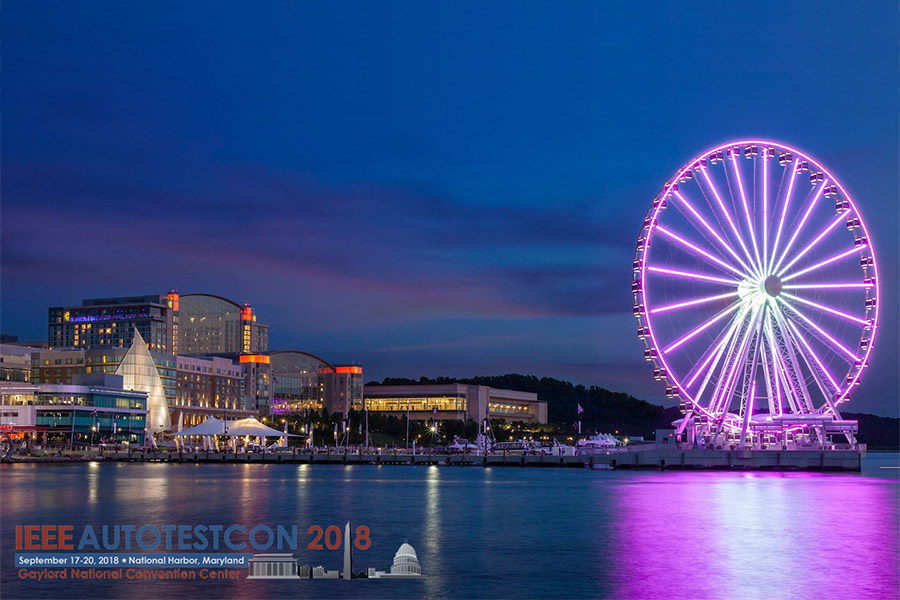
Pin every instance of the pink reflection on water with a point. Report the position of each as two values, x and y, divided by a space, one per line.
735 535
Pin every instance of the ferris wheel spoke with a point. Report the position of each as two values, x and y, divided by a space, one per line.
688 275
774 361
791 364
765 205
834 223
799 227
822 334
816 373
702 327
730 340
712 230
824 263
692 303
712 352
726 392
827 309
727 215
784 208
828 286
737 174
686 244
749 400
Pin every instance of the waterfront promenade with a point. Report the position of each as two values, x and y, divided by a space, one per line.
634 457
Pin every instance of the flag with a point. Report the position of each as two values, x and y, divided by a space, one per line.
580 409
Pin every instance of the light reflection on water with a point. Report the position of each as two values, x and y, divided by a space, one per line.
499 532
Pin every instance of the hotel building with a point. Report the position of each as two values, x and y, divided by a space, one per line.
110 323
341 388
207 387
211 324
295 380
455 401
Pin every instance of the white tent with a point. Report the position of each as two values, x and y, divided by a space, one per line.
252 427
211 426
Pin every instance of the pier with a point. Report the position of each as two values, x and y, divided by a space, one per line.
647 457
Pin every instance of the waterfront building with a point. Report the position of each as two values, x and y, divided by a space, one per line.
110 323
341 388
139 373
295 381
61 365
94 408
455 401
15 363
257 373
210 324
211 386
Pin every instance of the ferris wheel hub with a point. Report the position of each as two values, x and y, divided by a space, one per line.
772 285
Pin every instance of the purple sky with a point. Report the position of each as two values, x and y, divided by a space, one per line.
449 189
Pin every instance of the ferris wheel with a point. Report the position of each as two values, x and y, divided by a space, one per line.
755 289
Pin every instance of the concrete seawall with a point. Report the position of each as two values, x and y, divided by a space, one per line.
650 458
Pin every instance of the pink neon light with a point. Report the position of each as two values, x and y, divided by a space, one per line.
802 223
814 355
698 250
825 286
775 364
787 200
727 214
765 232
693 302
812 244
826 309
799 156
702 328
707 361
712 230
737 171
729 381
822 264
692 275
823 332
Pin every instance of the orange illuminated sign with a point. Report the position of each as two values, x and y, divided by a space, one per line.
356 370
255 358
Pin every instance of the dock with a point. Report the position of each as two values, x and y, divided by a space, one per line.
647 457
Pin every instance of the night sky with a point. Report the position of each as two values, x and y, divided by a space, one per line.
426 188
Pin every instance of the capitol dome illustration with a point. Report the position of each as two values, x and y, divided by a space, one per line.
406 562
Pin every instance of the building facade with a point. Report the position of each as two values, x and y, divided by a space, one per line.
110 323
15 363
455 401
94 409
211 324
60 365
295 381
257 373
341 388
205 387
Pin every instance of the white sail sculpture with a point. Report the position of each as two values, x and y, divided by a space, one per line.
139 373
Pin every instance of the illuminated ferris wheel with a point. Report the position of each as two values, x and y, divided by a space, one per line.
756 290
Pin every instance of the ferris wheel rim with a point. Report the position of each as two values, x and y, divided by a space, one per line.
651 223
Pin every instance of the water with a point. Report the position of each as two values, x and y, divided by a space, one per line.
497 532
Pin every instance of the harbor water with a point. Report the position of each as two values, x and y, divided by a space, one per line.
494 532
